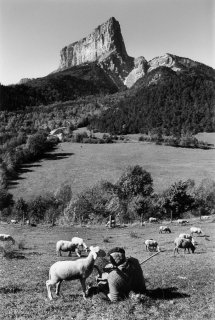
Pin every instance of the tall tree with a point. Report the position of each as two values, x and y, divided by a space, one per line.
134 182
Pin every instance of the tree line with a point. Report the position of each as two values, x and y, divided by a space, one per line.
131 198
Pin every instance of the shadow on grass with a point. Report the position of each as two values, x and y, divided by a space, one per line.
57 156
13 255
10 289
25 168
166 293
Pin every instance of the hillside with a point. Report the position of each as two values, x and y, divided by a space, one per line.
88 79
83 165
168 94
165 101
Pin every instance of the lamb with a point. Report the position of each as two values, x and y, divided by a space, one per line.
195 230
187 236
151 245
164 229
63 245
7 238
79 242
184 244
73 270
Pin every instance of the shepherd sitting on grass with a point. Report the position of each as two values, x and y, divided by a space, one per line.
121 276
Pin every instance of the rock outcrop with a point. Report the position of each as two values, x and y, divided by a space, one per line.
139 70
105 47
171 61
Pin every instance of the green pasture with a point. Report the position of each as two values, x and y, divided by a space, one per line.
180 287
82 165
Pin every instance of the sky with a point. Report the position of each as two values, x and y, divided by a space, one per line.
32 32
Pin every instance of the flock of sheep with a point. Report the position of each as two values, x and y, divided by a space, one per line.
184 240
83 267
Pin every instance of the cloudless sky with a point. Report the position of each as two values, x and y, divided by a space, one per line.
32 32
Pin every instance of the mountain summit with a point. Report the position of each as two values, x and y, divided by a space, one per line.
105 47
106 39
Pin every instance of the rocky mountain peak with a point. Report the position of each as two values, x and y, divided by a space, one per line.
97 46
105 47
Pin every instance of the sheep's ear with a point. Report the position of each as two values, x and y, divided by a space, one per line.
96 249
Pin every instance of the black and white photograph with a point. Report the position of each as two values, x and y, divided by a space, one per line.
107 159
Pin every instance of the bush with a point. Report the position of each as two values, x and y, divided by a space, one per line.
6 199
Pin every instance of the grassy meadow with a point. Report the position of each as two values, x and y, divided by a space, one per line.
82 165
180 287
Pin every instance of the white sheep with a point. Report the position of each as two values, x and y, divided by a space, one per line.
151 245
164 229
65 246
79 242
7 238
205 217
187 236
151 219
195 230
184 244
14 221
73 270
181 221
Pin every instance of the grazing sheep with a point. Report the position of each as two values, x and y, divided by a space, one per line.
79 242
14 221
205 217
151 245
187 236
195 230
151 219
73 270
181 221
7 238
183 244
63 245
164 229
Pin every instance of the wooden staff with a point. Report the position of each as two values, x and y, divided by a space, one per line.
149 257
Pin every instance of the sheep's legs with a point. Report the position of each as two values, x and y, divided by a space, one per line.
58 288
48 286
83 284
77 252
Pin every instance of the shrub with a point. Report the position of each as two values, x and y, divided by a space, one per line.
6 199
134 235
21 244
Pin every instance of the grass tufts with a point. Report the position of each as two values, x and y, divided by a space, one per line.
134 235
21 244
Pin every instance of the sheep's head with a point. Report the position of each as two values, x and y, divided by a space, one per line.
97 252
193 248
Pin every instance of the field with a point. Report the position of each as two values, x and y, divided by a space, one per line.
82 165
180 287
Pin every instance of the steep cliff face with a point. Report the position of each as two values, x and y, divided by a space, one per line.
105 46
